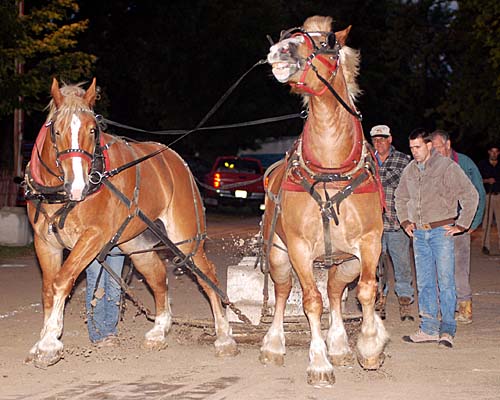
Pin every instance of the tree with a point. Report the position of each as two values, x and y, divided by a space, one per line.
472 95
44 41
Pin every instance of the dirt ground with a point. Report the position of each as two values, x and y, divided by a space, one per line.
188 369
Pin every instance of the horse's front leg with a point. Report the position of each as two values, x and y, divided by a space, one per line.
57 284
320 371
373 336
48 349
339 351
273 347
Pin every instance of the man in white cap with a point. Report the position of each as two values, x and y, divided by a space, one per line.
395 242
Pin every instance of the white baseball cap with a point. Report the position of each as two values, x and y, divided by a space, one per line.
380 130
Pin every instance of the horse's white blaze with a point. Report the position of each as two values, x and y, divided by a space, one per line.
78 183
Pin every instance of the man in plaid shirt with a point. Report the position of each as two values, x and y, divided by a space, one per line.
395 242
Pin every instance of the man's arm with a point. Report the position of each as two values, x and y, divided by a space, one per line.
465 193
401 200
477 180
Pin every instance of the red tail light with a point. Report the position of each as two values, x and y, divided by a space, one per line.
216 180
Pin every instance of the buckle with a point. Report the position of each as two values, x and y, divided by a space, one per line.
426 227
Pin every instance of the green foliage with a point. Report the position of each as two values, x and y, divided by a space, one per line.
45 42
486 29
469 105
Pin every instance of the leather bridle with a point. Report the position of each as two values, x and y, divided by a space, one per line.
331 46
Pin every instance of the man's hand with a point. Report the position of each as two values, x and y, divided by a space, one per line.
453 230
409 227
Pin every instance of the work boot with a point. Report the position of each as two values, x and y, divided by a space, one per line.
464 312
380 306
404 309
485 251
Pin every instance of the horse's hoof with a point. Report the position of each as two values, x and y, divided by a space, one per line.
227 350
43 361
321 379
341 360
154 345
267 357
372 363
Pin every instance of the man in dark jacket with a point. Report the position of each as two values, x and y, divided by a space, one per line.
490 171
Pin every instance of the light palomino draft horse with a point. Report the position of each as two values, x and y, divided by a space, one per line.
324 201
75 206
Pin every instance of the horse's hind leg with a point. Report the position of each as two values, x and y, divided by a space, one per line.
154 271
225 345
273 347
373 336
339 351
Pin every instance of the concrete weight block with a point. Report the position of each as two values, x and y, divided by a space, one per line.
245 288
15 229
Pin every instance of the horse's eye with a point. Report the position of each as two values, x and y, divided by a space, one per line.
93 131
58 133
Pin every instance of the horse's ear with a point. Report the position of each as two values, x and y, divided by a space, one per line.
342 35
56 93
90 94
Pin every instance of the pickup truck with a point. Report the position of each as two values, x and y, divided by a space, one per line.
235 181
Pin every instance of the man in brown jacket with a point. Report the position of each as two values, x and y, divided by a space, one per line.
427 199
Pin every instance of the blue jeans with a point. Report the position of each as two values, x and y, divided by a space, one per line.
103 311
435 266
397 244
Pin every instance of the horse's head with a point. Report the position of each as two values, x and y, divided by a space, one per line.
302 54
74 134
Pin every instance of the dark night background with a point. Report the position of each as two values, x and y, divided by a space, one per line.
163 65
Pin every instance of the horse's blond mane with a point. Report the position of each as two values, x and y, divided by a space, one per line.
349 57
73 101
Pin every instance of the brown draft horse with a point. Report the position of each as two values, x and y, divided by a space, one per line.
162 187
331 160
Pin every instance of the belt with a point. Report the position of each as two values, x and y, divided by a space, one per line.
493 193
435 224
